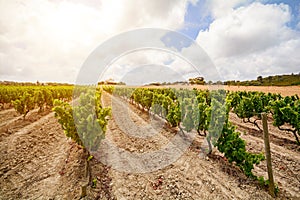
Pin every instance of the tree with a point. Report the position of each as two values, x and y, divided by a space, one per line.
260 79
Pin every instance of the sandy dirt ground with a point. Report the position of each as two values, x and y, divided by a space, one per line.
39 162
285 91
190 176
284 151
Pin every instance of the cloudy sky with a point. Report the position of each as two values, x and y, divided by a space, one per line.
51 40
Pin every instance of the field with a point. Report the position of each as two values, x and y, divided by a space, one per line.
284 91
39 162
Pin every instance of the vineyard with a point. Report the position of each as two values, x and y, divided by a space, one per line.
224 159
177 107
26 98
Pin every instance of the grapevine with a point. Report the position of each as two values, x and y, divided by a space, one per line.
207 113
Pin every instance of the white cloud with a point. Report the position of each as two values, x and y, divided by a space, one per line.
179 65
221 8
298 26
49 40
129 63
252 40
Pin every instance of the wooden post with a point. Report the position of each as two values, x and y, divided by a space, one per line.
268 154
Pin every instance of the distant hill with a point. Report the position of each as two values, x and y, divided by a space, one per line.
277 80
31 83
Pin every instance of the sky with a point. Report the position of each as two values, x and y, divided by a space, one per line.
50 40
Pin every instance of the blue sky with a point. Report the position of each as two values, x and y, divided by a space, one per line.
196 18
247 38
50 40
199 18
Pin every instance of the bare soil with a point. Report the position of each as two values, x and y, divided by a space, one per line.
39 162
284 151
